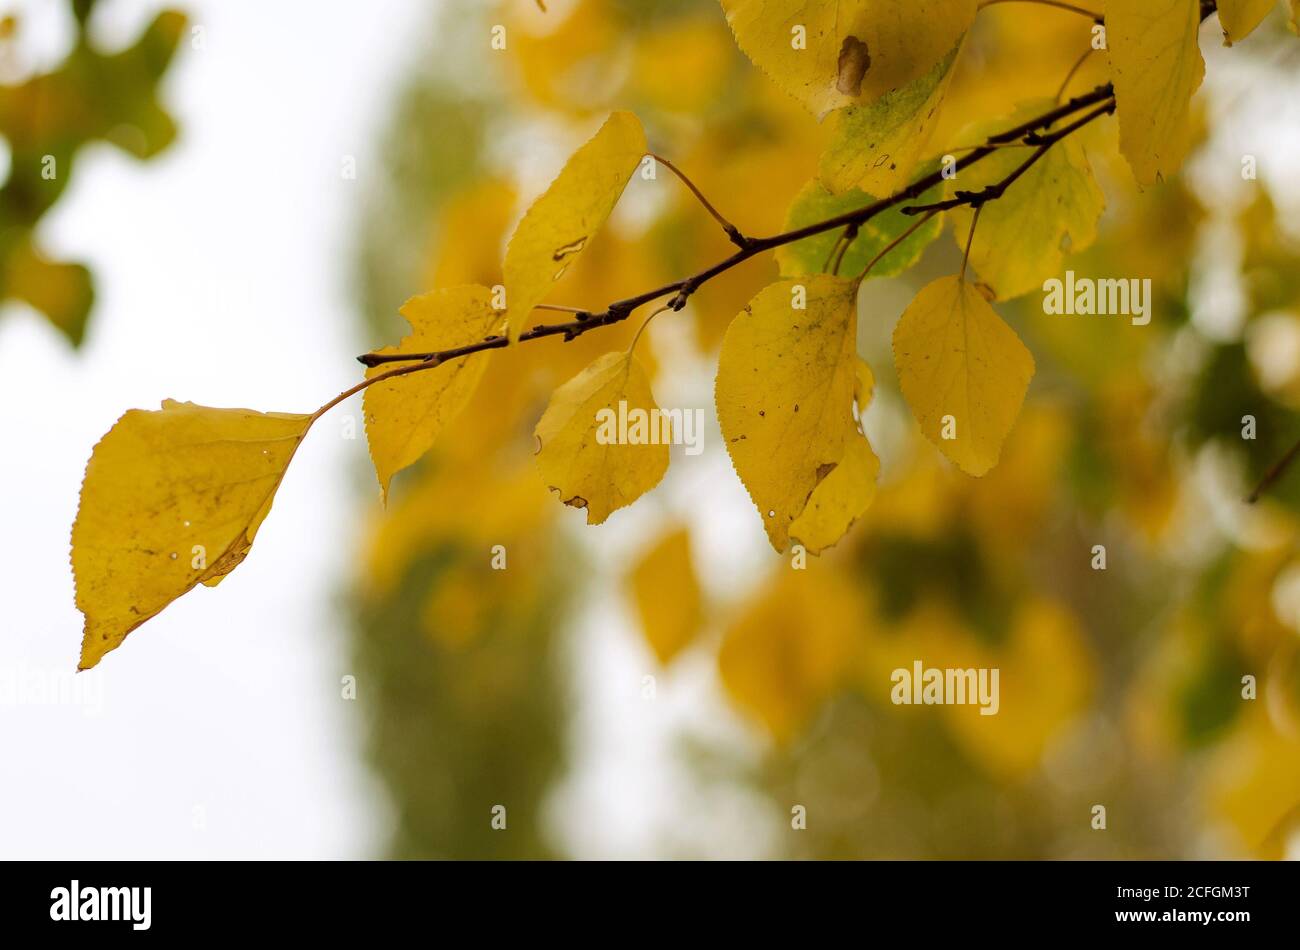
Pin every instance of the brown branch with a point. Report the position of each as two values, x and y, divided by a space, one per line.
977 199
683 288
1276 471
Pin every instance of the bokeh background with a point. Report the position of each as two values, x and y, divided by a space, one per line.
246 194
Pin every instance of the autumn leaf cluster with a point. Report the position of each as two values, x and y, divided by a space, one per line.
173 498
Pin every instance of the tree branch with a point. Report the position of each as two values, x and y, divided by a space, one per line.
977 199
683 288
1276 471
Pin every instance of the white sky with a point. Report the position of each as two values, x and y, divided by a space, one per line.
221 272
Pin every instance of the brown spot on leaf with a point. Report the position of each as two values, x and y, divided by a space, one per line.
853 65
566 250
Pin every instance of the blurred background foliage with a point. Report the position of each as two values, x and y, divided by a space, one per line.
1120 687
45 120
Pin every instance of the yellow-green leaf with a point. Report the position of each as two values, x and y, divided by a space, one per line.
963 371
813 254
1156 65
667 595
876 147
404 416
1240 17
784 393
602 442
562 221
1051 209
172 498
832 54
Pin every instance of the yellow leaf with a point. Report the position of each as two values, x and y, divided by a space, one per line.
962 370
839 499
864 386
562 221
784 392
602 441
792 648
847 492
404 416
876 147
1024 235
667 595
832 54
171 499
1156 66
1240 17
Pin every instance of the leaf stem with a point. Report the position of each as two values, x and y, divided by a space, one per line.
732 231
1078 64
558 308
847 237
645 323
1091 15
429 363
893 244
970 238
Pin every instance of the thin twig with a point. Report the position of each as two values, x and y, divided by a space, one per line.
733 232
1277 470
1047 119
977 199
